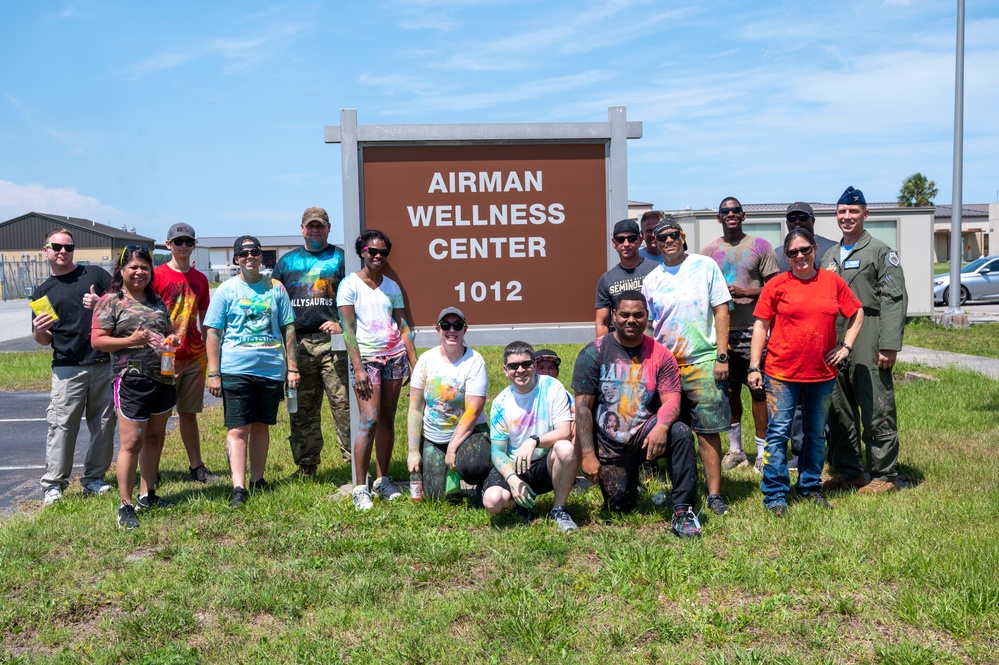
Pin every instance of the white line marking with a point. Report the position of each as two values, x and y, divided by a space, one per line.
30 468
22 420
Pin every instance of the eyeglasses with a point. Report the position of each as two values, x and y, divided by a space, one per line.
631 237
524 364
804 251
724 211
183 242
243 253
126 250
798 217
373 252
58 247
672 235
448 325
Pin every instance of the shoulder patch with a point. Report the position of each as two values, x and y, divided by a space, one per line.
892 258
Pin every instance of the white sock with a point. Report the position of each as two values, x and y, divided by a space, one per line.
760 445
735 438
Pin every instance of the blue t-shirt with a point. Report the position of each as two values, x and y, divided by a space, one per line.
251 318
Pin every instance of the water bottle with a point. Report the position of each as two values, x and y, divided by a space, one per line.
416 486
292 402
167 360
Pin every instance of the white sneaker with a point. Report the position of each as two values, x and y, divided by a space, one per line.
96 488
386 489
362 498
52 495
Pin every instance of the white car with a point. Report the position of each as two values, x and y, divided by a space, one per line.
979 281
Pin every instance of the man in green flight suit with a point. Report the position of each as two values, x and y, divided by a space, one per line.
864 398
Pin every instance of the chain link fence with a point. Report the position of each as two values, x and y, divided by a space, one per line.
20 277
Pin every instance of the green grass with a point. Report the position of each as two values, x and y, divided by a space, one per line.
298 576
26 371
979 340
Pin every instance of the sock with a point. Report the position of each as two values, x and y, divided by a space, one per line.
735 438
760 445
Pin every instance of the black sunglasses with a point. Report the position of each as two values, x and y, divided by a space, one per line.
798 217
183 242
447 325
724 211
243 253
523 364
631 237
804 251
373 252
58 247
672 235
127 249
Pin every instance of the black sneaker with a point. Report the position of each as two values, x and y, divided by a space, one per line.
778 509
525 514
259 485
717 504
685 524
151 500
126 517
817 498
238 497
201 474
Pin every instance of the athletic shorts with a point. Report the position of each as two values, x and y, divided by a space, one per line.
537 477
383 368
704 401
250 399
190 381
138 397
738 361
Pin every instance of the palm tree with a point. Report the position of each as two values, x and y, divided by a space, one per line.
917 191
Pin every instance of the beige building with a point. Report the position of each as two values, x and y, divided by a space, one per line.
978 223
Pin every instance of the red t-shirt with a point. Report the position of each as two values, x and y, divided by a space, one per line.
802 315
185 294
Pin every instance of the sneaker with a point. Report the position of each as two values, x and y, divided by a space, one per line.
841 482
238 497
151 500
525 514
307 470
563 520
777 509
52 495
259 485
201 474
792 464
758 465
126 517
685 524
717 504
96 488
734 460
362 498
386 489
878 486
817 498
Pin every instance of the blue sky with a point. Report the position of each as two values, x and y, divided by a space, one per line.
146 114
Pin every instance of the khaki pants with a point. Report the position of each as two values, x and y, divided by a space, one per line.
321 370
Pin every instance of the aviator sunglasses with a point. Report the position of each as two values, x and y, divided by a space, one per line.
524 364
373 252
58 247
447 325
804 251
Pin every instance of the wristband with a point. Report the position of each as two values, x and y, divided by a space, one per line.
214 376
293 371
847 346
507 479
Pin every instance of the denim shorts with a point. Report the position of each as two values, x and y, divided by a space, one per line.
383 368
250 399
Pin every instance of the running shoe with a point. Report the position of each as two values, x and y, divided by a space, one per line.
685 524
259 485
734 460
386 489
96 488
52 495
151 500
238 497
563 520
201 474
777 509
817 498
126 517
362 498
717 504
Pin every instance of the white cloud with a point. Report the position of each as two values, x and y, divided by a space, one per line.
17 200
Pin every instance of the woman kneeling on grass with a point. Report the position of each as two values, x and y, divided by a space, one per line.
247 319
133 325
447 426
381 352
799 308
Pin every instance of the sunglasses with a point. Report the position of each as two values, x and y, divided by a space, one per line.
58 247
524 364
798 217
447 325
724 211
243 253
804 251
183 242
672 235
127 249
372 252
631 237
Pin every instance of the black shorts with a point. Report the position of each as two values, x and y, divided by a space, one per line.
537 477
738 361
250 399
138 397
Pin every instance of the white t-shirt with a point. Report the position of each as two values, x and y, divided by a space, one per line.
377 332
513 417
445 387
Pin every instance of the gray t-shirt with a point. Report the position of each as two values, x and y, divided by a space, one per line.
824 244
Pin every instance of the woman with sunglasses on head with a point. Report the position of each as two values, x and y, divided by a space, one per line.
132 324
447 396
250 338
799 309
380 346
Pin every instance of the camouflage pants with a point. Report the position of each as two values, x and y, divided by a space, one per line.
320 370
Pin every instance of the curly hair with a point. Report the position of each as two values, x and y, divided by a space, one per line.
118 280
368 235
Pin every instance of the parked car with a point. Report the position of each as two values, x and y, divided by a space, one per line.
979 281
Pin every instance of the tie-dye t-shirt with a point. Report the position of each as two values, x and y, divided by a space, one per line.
185 295
444 388
122 316
803 315
748 264
312 279
251 318
514 417
377 332
626 383
681 301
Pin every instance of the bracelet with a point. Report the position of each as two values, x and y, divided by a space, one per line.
752 370
847 346
214 376
507 479
293 371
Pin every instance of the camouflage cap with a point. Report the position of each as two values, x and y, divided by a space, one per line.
315 214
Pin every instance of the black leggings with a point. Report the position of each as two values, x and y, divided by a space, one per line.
472 460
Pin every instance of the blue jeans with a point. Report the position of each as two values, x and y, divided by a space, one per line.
782 398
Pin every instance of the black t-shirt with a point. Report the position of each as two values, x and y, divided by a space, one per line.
617 280
311 279
71 333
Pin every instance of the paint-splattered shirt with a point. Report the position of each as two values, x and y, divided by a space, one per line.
445 387
377 332
514 417
185 295
312 279
748 263
681 299
121 316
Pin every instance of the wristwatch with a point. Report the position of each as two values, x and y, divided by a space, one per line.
752 370
537 439
723 357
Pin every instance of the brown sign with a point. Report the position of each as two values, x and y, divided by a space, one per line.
511 234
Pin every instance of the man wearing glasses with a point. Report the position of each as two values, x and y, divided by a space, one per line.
626 275
185 293
747 262
81 378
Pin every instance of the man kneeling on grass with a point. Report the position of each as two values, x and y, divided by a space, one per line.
529 430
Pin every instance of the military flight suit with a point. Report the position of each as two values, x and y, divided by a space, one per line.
864 397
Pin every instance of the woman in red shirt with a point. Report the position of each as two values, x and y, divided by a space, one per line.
799 309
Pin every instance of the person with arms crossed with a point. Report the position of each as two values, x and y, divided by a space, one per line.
628 274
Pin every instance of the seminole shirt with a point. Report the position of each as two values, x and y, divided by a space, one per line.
626 383
251 318
71 333
681 301
617 280
185 295
445 387
122 316
803 315
312 279
377 332
748 263
514 417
